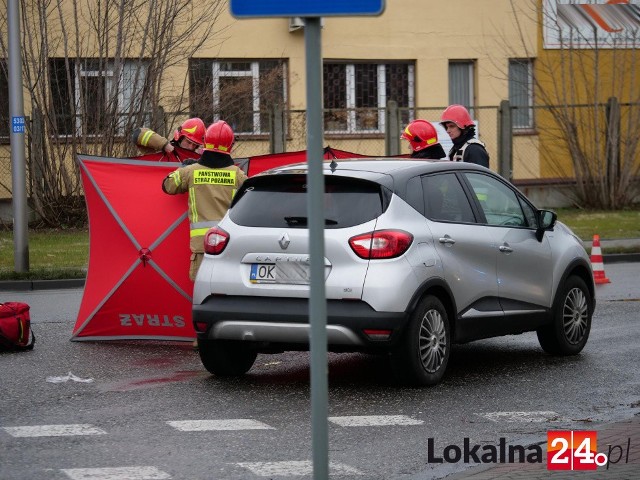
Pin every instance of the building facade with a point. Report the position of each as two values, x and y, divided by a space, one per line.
421 56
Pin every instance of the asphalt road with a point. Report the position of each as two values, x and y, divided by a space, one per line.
151 411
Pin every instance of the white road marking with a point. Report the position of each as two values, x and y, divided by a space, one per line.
294 468
233 424
522 417
54 430
374 420
116 473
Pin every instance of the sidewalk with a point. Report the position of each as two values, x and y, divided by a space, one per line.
622 439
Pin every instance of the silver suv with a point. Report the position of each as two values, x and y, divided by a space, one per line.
418 255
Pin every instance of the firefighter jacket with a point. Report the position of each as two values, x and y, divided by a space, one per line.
468 149
149 141
211 184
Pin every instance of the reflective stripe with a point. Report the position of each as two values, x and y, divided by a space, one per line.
176 178
146 137
200 228
212 146
192 204
210 224
198 232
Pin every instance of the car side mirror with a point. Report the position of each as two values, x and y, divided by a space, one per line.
546 221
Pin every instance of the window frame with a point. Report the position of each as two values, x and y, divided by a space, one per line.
83 73
525 90
461 196
520 200
462 94
352 124
83 69
254 74
347 201
215 68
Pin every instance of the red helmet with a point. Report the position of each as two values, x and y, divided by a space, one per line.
193 129
458 115
421 134
219 137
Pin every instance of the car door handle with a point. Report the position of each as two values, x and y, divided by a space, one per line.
446 240
505 248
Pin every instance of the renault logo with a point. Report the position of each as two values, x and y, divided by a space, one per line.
284 241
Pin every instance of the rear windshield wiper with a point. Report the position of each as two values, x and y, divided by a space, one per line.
303 221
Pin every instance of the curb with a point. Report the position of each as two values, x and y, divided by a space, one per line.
26 285
621 257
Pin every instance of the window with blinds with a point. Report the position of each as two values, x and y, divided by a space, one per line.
461 87
521 93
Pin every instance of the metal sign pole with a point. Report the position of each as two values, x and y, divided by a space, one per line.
315 212
311 11
18 168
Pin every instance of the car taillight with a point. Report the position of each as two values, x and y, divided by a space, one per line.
381 244
215 241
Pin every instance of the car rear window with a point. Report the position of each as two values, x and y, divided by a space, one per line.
280 201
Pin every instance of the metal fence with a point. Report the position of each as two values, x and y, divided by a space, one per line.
374 132
515 153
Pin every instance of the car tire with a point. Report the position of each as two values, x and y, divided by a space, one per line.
226 358
422 355
572 312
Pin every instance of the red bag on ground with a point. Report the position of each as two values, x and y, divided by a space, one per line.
15 326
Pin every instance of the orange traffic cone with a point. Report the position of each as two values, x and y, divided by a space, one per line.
596 262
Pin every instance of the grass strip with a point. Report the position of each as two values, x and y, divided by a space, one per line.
64 253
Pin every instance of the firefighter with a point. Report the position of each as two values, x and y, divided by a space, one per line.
211 183
461 129
423 138
189 136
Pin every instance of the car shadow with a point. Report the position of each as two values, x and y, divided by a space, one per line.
469 364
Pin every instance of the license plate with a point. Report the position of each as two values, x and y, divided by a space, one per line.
295 273
262 273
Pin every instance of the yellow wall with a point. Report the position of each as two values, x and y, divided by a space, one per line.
426 32
583 77
430 33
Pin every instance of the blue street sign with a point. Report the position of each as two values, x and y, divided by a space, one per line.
17 124
305 8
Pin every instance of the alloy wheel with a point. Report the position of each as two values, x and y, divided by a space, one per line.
575 314
432 341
